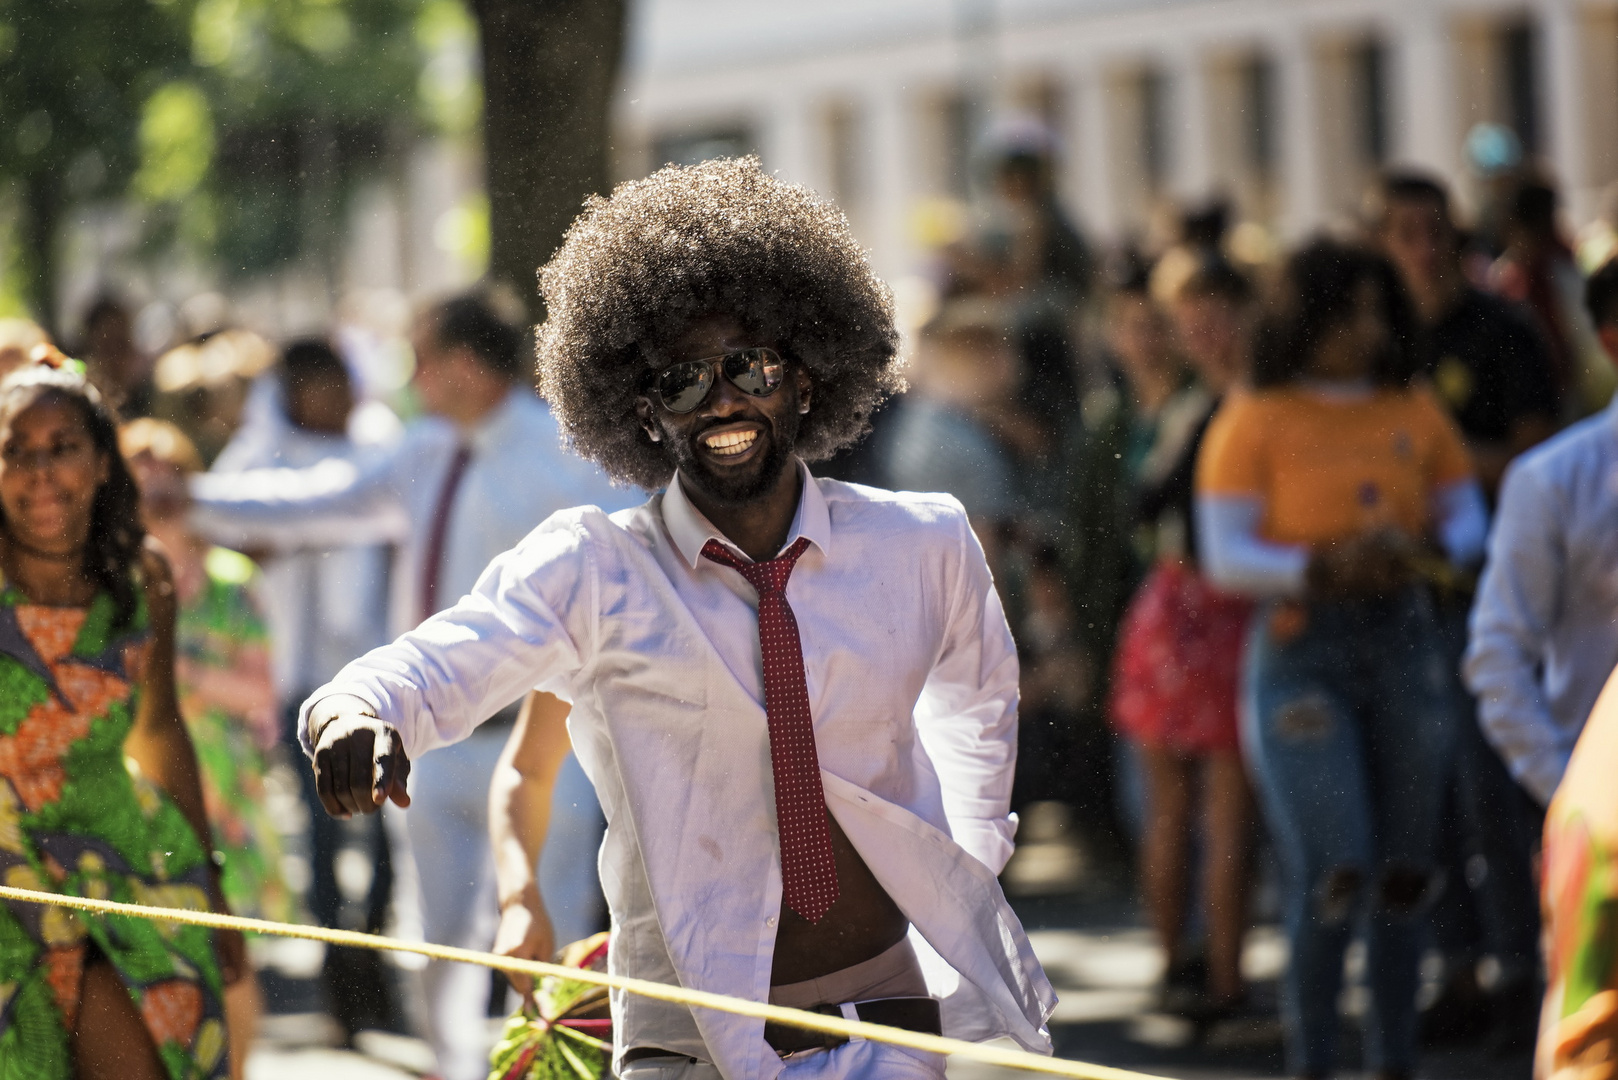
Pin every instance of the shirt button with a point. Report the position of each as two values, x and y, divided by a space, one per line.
770 921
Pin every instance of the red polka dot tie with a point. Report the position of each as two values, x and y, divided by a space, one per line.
808 868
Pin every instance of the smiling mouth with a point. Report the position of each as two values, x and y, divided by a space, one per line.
730 443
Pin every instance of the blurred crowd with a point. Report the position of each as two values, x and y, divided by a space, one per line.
1287 591
1310 560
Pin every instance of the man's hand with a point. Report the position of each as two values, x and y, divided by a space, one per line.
525 932
360 761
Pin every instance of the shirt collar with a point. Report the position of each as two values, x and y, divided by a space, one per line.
690 530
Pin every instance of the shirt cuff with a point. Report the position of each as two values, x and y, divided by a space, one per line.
330 690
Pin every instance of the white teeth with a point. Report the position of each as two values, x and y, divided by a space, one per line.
730 442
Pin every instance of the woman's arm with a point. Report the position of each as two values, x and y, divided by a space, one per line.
519 816
161 746
1462 519
1235 557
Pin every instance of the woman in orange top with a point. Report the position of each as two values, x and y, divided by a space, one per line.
1332 492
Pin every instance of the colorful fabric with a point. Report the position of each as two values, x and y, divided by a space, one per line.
1579 1034
73 822
1178 665
221 633
1327 468
566 1034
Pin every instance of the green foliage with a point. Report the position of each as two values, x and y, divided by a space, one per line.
450 94
240 124
176 143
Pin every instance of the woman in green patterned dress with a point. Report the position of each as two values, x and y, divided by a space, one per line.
227 696
87 615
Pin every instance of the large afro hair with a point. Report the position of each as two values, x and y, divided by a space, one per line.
720 238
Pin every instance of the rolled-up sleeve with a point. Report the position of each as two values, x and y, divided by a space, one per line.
1518 603
529 623
336 502
967 713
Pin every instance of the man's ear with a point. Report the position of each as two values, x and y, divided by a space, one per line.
806 386
648 419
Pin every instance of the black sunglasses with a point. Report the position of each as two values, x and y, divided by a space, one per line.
684 386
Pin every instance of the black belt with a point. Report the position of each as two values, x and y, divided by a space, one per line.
910 1013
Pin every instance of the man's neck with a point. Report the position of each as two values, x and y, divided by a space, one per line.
758 526
475 406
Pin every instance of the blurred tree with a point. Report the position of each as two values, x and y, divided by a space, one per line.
549 70
307 96
236 123
74 78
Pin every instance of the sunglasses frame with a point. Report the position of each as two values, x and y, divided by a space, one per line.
721 361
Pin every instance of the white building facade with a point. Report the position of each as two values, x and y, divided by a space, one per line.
1288 107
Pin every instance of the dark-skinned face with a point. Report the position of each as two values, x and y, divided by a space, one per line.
733 447
50 470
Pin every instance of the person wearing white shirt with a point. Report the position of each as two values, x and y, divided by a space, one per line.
322 605
796 697
1544 630
464 484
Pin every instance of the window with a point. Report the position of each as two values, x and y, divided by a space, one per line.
1154 130
1259 147
1519 45
1370 75
842 144
689 148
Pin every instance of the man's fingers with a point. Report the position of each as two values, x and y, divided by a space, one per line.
360 759
523 984
391 768
324 785
399 793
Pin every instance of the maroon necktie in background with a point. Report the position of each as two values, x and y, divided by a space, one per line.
433 565
808 867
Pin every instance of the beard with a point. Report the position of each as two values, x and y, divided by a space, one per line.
740 486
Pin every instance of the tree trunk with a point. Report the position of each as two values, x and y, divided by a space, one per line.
42 212
549 71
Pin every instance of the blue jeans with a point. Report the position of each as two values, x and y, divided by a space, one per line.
1348 726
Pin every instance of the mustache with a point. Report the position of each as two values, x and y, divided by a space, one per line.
724 422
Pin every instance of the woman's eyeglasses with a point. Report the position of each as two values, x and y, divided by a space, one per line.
684 386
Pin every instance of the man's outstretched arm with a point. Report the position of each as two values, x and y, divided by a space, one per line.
520 796
525 623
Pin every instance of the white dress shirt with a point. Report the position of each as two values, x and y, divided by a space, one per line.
1545 625
518 476
324 605
912 679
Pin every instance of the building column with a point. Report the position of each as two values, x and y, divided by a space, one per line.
788 141
1088 154
1303 197
1422 95
888 135
1191 140
1563 104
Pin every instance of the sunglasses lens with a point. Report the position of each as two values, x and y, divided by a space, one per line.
755 371
684 386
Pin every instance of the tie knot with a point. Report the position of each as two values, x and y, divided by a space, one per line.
769 576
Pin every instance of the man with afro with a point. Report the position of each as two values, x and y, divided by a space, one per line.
796 697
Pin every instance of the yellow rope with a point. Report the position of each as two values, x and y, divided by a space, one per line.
679 995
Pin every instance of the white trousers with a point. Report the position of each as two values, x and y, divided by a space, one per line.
448 823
